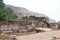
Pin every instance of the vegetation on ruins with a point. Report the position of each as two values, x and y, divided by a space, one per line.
6 14
0 32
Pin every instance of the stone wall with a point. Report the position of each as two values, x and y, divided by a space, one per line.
18 25
54 26
7 26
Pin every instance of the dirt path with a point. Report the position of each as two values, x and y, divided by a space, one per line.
41 36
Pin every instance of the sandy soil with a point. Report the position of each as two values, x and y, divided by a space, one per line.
41 36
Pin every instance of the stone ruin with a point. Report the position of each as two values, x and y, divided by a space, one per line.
27 24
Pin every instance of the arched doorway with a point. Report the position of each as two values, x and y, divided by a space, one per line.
48 26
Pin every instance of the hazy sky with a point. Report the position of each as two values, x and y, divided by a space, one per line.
49 7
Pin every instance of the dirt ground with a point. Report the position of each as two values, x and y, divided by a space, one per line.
51 35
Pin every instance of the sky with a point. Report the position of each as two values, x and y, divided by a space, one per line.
51 8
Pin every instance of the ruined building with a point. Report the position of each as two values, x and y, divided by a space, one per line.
26 21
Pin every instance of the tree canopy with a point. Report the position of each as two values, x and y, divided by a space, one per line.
6 14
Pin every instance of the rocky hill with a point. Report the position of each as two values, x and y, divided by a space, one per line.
20 11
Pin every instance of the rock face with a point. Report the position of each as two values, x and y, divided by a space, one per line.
59 25
53 24
26 16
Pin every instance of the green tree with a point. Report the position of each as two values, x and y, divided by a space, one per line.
6 14
1 8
